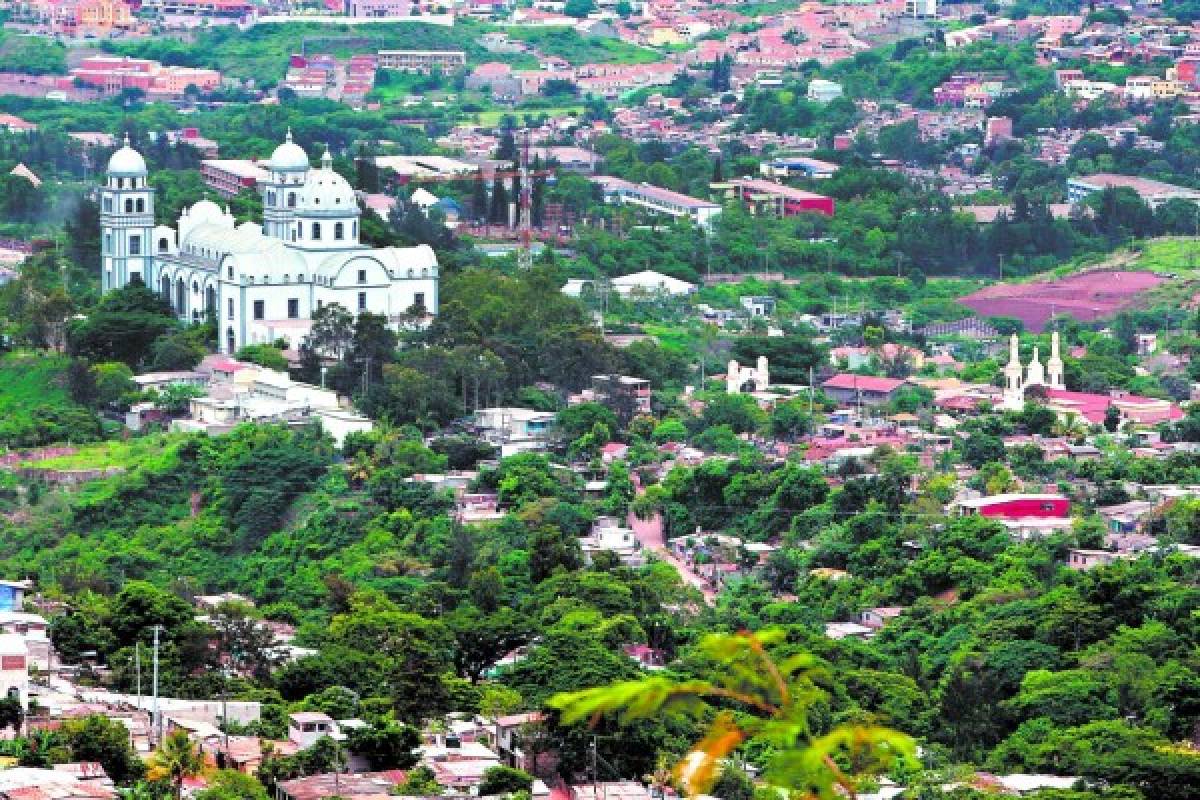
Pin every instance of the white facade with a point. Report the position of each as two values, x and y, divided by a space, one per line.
920 9
264 282
823 91
14 667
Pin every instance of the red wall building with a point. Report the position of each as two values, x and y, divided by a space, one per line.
1018 506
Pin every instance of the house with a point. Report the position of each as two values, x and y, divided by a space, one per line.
14 667
607 537
510 731
876 618
848 388
823 91
1083 559
515 429
758 305
306 727
1017 506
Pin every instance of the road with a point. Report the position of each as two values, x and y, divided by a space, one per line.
650 534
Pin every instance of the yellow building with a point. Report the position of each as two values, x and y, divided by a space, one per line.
1167 88
660 35
102 16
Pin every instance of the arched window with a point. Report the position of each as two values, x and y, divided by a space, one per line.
291 199
316 230
128 205
287 278
339 231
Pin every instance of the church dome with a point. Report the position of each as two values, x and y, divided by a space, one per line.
326 192
289 157
205 211
127 162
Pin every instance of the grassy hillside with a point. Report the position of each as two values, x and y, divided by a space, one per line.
32 54
35 407
261 52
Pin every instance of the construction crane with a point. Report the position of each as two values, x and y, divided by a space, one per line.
524 209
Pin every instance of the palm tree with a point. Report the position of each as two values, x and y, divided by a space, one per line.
176 760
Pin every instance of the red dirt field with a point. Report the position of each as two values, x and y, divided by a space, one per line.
1086 296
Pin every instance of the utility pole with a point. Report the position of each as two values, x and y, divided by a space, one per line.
155 718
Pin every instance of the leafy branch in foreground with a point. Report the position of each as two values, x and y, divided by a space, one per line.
752 698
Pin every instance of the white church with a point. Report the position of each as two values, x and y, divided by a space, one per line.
1017 378
262 282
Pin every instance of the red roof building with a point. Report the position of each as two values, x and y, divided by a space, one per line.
869 390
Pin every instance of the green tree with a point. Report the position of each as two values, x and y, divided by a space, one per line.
504 780
771 701
96 738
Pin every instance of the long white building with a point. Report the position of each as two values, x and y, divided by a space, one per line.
263 282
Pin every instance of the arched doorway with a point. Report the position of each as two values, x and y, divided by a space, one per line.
180 297
164 287
210 300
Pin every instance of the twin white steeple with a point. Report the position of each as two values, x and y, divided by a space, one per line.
1018 378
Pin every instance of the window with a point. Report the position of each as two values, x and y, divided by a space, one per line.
128 205
108 242
271 198
229 313
135 277
163 245
229 272
141 205
316 230
259 311
419 299
293 308
339 231
287 278
362 276
291 199
135 245
120 183
108 204
362 301
354 229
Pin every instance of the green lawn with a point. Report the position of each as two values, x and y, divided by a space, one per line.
120 453
569 44
494 116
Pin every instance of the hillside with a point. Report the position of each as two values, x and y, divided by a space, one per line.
35 406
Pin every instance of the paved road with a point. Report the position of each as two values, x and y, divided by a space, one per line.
650 534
